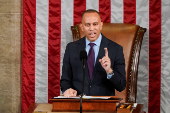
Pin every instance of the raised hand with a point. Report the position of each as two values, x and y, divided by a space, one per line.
105 62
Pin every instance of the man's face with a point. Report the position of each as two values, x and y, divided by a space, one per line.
91 26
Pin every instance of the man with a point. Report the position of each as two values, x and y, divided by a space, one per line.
107 71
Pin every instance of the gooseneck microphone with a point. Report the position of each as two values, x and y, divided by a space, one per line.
83 58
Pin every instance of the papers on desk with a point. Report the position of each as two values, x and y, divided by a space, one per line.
93 97
84 97
63 97
134 105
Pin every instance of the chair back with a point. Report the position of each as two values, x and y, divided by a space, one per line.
129 36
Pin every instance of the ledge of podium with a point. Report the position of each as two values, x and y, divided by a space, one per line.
88 105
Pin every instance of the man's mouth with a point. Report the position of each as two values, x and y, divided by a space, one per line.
92 34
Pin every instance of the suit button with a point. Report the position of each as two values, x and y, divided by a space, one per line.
90 86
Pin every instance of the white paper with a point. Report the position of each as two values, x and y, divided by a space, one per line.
92 97
63 97
134 105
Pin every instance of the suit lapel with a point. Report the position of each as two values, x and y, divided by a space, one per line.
81 46
104 43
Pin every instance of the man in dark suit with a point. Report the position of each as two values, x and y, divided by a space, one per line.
107 71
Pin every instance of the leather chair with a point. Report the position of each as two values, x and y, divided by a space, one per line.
129 36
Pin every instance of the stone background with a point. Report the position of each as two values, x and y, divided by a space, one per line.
10 55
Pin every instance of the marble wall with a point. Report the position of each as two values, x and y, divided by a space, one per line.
10 55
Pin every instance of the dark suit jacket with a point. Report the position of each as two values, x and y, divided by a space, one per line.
72 72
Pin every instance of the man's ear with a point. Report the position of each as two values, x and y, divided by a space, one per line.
81 26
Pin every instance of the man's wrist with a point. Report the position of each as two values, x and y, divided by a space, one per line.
110 71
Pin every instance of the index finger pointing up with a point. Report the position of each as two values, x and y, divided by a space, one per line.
106 51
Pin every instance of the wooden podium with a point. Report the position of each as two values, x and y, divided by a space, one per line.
88 105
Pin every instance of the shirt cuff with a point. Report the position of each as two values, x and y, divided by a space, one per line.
109 75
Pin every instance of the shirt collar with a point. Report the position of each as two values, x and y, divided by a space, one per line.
97 42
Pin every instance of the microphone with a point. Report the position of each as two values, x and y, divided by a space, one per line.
83 58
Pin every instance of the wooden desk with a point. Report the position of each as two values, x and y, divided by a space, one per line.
138 109
94 104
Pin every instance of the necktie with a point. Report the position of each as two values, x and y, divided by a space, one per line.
90 59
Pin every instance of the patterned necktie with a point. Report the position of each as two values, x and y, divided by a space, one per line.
90 59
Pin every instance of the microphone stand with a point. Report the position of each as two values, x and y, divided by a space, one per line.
81 96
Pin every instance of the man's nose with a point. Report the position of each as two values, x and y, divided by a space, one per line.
91 27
